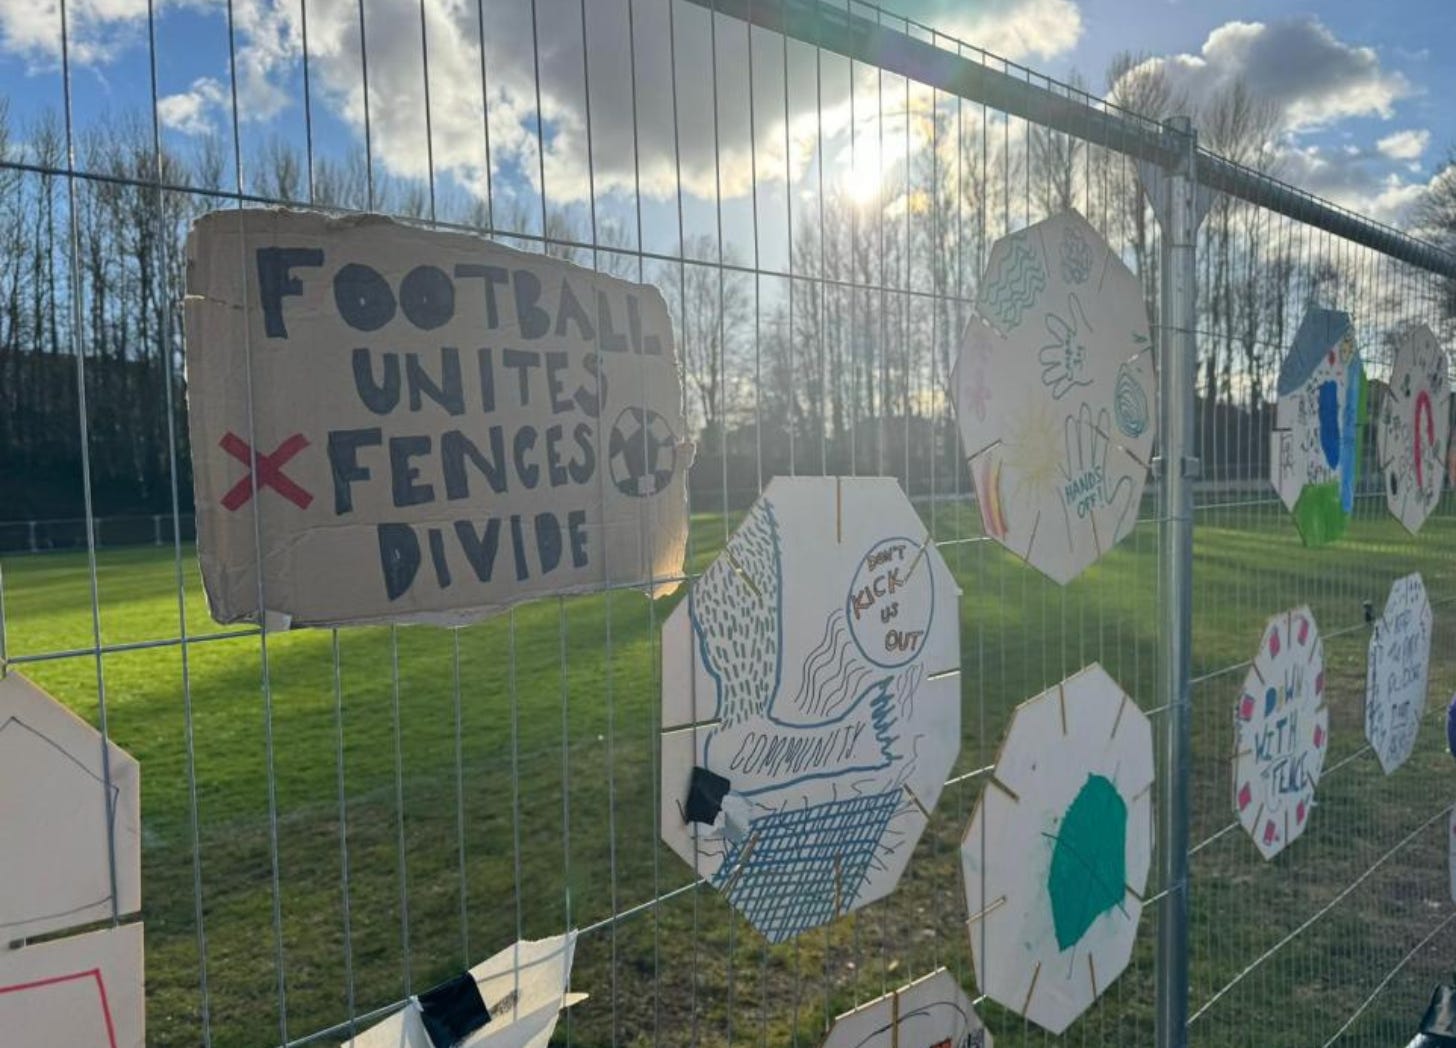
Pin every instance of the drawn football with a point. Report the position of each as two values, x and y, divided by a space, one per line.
643 453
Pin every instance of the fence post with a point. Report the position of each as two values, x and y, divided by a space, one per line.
1177 202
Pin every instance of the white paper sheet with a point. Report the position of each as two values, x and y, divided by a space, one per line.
1414 427
1055 393
1056 857
1281 733
815 666
1396 671
83 992
524 989
1315 447
55 871
931 1012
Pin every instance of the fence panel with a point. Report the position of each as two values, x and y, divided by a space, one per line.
335 820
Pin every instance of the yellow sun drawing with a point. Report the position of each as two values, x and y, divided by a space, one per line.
1034 448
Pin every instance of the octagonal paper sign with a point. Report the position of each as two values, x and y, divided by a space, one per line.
1396 672
1315 450
1415 427
811 702
1054 387
1056 856
1282 728
931 1012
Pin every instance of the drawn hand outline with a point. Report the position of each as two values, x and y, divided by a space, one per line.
1064 359
1088 445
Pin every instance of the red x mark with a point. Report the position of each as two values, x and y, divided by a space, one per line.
270 471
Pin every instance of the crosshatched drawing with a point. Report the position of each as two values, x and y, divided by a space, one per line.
1054 387
931 1012
1282 732
1056 856
811 702
54 864
1315 450
1414 427
1396 672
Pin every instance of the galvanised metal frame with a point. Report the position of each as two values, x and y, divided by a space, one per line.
1178 177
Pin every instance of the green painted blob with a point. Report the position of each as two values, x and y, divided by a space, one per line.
1089 862
1319 515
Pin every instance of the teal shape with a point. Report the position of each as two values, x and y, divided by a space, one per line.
1089 862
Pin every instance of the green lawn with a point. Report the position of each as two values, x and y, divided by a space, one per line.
539 812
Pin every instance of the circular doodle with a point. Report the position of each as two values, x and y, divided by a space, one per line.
891 602
1130 403
642 453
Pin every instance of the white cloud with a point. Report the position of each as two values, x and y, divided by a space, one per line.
1404 145
190 111
1362 183
96 30
1016 29
1298 66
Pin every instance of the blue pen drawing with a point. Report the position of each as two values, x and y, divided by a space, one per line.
1076 256
1131 403
821 726
1064 359
1012 283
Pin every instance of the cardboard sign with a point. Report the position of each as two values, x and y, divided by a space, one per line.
811 702
1315 450
1055 394
83 992
1281 732
398 425
931 1012
523 989
1056 857
1396 672
55 865
1415 427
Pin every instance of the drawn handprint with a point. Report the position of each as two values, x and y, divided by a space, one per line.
1064 359
1087 488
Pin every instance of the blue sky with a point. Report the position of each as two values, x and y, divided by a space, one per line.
1357 93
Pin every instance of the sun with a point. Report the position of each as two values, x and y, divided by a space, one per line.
861 181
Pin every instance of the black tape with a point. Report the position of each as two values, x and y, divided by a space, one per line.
453 1011
706 791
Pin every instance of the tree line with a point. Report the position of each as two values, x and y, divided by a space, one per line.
842 363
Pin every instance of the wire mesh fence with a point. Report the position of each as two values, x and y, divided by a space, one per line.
335 820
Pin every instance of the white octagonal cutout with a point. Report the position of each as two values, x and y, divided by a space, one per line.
1055 394
1415 427
931 1012
811 702
55 862
1056 856
1282 732
1396 671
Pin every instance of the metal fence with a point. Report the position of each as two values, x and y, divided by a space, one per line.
335 820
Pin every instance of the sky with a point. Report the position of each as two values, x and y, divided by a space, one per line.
1354 90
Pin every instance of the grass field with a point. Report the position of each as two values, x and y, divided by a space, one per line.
470 786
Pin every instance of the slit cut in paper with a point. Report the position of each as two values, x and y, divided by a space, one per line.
811 683
1056 857
55 870
523 990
